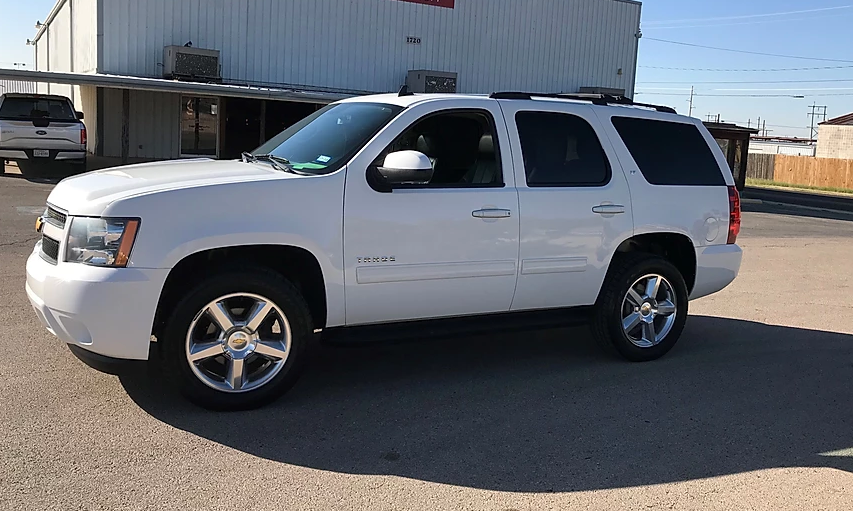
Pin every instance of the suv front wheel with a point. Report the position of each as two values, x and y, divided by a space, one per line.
642 308
238 340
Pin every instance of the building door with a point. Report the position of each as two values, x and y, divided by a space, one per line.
242 127
199 126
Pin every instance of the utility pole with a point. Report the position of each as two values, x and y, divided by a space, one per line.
817 111
690 113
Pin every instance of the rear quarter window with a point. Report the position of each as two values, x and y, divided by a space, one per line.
669 153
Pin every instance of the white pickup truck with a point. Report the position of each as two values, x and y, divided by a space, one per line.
39 129
389 216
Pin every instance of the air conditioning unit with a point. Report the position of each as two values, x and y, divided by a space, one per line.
188 63
426 81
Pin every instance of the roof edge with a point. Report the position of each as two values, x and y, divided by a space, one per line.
50 17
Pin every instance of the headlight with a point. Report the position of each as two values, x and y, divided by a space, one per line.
101 241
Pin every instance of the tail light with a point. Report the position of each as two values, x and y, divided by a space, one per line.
83 136
734 215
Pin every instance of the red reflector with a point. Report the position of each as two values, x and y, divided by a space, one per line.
734 215
83 136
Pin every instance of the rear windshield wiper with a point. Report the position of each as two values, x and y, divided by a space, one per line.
277 162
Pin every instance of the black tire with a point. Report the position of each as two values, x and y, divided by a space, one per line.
253 280
2 166
625 270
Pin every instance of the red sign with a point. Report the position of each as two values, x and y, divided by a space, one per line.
437 3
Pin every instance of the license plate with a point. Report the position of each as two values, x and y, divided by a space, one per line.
41 153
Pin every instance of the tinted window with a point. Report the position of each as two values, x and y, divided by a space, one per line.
669 153
325 140
561 150
461 145
36 108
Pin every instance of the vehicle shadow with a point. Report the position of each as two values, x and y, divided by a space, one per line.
37 178
544 412
793 210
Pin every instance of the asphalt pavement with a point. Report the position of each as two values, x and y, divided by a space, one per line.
751 410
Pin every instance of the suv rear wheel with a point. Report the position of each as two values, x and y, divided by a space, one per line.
238 340
642 309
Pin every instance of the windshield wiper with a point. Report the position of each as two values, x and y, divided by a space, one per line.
277 162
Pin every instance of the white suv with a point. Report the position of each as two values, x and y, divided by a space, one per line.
391 216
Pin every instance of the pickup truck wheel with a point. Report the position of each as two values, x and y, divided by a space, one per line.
239 340
643 308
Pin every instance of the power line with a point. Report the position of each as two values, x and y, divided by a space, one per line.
833 80
759 22
794 96
681 43
769 70
752 16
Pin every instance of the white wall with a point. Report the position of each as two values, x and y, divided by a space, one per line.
786 148
154 130
84 15
59 48
545 45
835 141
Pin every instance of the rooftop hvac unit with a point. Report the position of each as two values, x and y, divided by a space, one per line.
188 63
431 81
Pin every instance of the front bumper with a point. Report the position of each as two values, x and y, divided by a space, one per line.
717 266
106 311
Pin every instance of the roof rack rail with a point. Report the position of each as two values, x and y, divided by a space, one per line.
595 99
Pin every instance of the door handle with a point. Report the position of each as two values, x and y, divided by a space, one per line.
609 209
492 213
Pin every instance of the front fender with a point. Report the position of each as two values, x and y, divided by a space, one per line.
305 213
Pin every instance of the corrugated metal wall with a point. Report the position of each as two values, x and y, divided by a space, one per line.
154 130
59 48
84 15
17 86
548 45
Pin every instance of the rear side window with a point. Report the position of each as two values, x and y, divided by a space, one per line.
669 153
37 108
561 150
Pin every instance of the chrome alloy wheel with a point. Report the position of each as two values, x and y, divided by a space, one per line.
238 342
649 311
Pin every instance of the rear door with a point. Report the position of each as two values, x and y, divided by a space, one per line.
39 123
674 164
574 203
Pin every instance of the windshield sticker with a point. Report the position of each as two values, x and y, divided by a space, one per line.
323 159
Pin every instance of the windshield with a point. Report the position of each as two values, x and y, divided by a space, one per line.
325 140
37 108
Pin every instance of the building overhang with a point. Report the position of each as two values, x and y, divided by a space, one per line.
174 86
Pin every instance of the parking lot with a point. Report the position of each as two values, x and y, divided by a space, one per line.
752 410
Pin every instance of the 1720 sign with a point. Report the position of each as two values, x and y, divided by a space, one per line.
413 40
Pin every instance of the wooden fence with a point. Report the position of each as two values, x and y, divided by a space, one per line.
761 166
805 170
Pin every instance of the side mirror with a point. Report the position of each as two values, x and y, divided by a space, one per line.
80 115
407 167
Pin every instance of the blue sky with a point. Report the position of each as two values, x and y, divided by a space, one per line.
764 26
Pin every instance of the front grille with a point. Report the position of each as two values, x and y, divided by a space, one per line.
55 217
49 249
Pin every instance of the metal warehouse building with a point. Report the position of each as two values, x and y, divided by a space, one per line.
171 78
